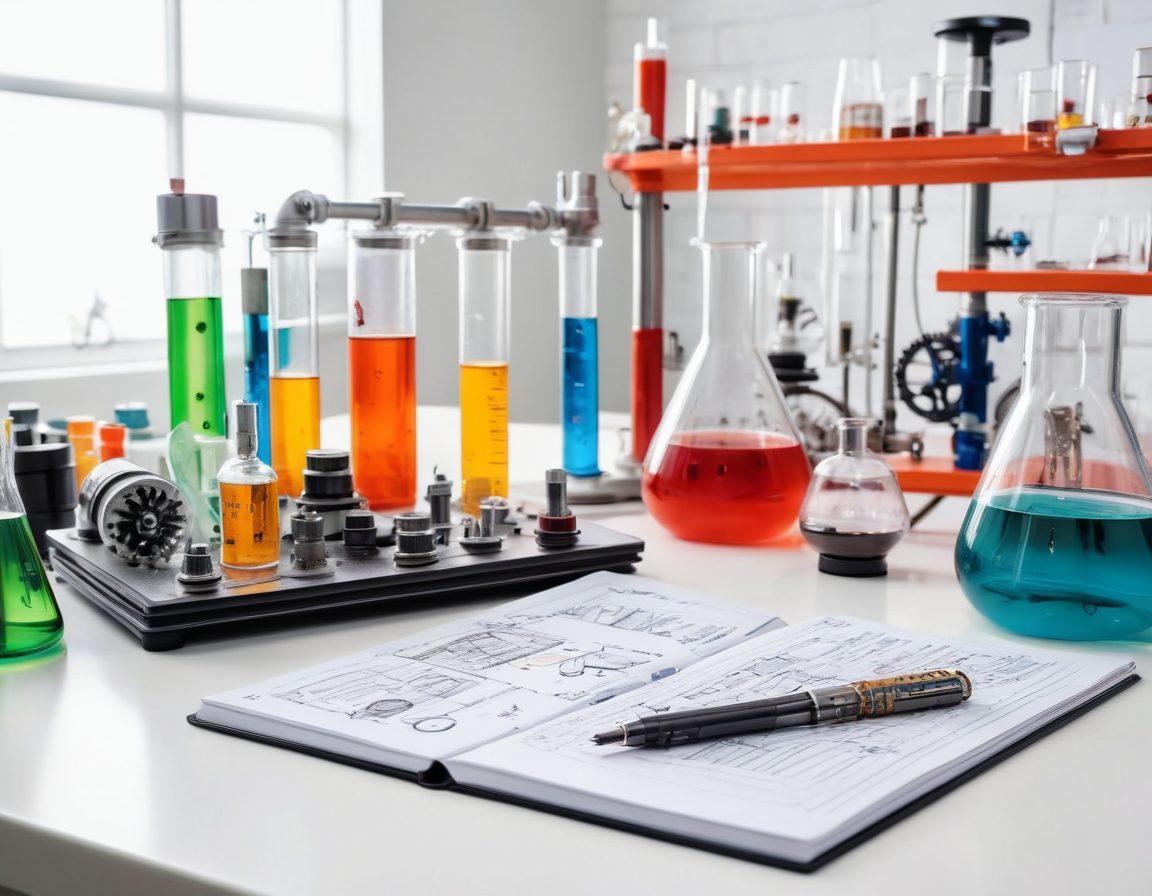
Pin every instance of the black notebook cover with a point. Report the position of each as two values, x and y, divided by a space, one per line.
437 777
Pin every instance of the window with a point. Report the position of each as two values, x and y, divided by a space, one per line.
101 103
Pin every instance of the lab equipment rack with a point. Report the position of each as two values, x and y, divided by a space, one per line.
892 162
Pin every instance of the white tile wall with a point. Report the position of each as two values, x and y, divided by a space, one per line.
728 42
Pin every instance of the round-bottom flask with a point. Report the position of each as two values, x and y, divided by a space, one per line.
1057 542
726 464
854 512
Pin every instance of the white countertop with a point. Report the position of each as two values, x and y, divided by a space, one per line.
106 789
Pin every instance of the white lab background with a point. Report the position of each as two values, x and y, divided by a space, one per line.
441 100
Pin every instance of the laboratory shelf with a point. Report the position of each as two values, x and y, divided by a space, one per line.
932 475
981 158
1128 283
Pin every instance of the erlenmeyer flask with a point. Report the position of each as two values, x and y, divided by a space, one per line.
726 464
29 618
1058 539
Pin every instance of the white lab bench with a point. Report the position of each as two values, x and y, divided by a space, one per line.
106 789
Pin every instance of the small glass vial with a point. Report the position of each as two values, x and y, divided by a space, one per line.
249 503
854 512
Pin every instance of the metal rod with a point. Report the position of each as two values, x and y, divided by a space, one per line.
890 313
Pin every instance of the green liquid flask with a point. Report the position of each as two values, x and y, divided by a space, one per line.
30 620
191 240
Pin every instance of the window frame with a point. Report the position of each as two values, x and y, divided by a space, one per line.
361 38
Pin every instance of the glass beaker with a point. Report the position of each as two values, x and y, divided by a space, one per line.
1139 113
1075 93
726 464
858 107
1037 98
30 620
854 512
1057 542
791 113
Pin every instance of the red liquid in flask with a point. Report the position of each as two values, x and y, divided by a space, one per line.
728 486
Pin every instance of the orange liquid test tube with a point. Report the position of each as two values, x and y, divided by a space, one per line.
293 334
382 367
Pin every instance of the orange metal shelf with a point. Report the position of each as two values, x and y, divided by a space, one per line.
982 158
932 475
1122 282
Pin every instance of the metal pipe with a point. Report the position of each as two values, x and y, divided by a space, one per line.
890 313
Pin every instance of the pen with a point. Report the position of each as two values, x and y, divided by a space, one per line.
819 706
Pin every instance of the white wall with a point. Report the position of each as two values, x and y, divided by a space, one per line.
728 42
491 98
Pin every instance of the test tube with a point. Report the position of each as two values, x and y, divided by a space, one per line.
382 366
792 112
764 113
859 112
190 239
1140 108
254 305
898 112
651 77
1075 93
1037 103
293 350
580 399
111 437
485 262
690 95
921 92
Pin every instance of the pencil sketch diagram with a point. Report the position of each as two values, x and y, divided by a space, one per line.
636 610
531 659
410 692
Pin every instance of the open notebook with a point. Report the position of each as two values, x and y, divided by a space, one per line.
504 703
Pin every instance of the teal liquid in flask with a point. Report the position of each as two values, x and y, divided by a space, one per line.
1057 542
30 621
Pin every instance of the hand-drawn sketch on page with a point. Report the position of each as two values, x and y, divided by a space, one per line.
510 667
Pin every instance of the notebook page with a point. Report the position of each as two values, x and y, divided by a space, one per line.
496 672
804 784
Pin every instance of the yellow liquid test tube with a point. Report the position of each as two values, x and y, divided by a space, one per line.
484 335
295 405
483 432
293 350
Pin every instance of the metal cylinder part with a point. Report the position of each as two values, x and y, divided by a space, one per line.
308 550
556 527
197 572
415 548
360 531
246 428
140 516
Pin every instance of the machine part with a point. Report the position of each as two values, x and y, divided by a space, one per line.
502 521
140 516
815 414
481 537
328 488
557 527
197 572
412 521
308 549
360 532
935 397
439 496
973 370
1063 448
46 480
415 548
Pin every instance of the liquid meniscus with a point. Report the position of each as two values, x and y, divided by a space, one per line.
250 524
728 486
29 617
581 404
483 433
382 386
1059 563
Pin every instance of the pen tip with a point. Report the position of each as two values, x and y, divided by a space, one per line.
608 737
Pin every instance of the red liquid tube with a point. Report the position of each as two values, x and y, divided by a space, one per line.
727 464
647 387
651 78
382 366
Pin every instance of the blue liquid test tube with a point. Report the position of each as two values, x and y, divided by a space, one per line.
254 299
580 399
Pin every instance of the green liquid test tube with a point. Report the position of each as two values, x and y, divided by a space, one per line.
191 239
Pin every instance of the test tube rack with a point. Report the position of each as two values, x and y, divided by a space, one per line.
162 613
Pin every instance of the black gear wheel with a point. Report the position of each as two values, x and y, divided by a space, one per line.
938 398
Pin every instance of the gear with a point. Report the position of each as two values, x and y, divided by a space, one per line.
936 398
